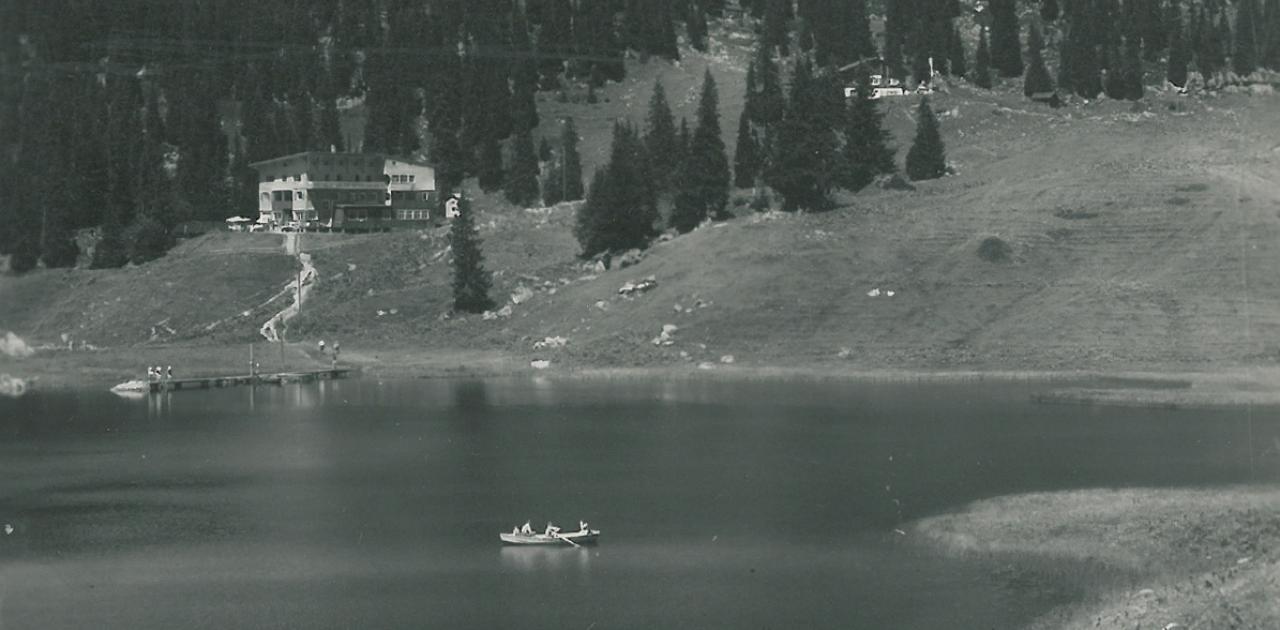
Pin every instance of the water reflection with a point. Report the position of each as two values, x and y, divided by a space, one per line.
547 559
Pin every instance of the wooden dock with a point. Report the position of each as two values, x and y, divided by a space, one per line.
280 378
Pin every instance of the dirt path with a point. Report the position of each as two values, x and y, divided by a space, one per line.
300 286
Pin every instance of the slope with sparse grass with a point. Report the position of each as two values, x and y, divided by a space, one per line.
1117 236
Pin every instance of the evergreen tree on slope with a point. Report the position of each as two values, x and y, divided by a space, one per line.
471 282
927 157
702 188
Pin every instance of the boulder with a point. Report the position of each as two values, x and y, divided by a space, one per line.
521 294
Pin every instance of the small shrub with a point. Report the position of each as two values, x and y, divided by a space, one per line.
994 249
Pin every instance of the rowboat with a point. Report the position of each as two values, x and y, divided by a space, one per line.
573 539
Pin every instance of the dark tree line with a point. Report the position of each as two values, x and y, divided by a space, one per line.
150 111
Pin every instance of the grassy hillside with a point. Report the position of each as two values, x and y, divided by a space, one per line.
217 287
1139 236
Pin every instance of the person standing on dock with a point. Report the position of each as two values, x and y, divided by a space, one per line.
336 349
168 373
321 347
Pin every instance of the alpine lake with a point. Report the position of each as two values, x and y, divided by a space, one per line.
377 504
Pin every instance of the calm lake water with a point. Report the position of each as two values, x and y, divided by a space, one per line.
366 504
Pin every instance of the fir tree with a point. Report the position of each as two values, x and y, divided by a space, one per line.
522 180
750 96
866 149
1037 80
982 67
683 140
1151 23
471 283
805 162
571 183
620 210
1006 49
769 104
1271 32
746 159
555 37
1114 85
1134 78
1244 59
524 110
927 157
702 189
696 25
1179 54
489 172
777 14
955 54
564 179
1080 67
660 138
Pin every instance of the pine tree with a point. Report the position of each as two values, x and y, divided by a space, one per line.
555 37
683 140
489 173
1037 80
927 157
1079 68
471 283
702 188
564 178
620 210
524 109
866 149
1179 54
1132 73
769 103
777 13
1114 84
522 180
1151 22
696 25
750 96
982 67
660 138
955 54
1049 10
571 183
1271 32
746 159
1244 60
1006 49
805 161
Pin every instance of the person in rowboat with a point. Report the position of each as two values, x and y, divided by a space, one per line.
552 530
526 529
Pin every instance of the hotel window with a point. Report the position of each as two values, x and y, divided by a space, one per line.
411 178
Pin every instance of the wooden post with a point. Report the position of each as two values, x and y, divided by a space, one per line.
251 370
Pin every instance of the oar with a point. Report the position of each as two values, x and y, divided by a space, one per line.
557 535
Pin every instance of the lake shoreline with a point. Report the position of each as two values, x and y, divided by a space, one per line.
1145 557
1179 386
